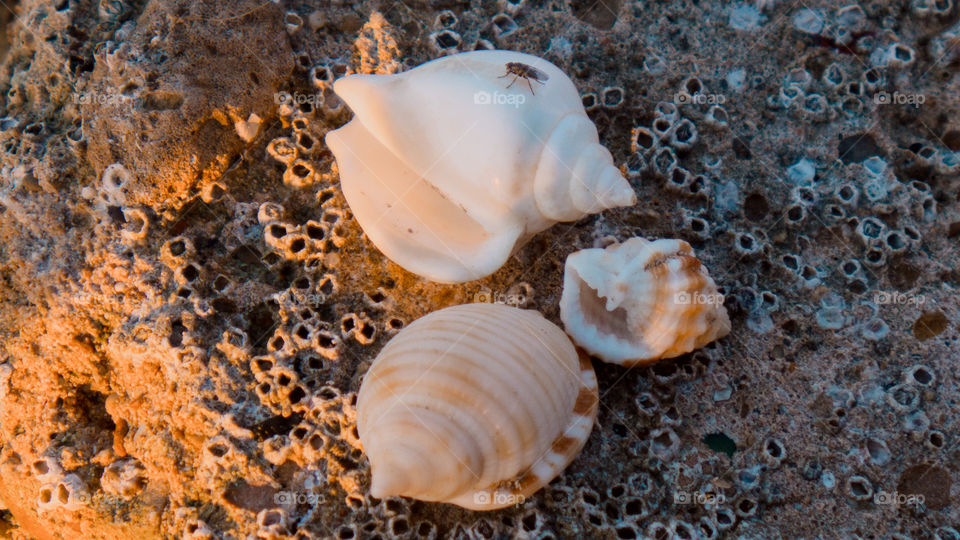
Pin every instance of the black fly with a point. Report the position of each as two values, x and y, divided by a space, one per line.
523 71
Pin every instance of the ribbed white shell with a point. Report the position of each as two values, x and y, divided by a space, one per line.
639 301
448 171
477 405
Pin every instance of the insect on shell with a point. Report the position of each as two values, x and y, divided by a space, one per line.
479 405
449 172
639 301
523 71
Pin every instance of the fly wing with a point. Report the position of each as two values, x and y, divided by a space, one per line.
535 73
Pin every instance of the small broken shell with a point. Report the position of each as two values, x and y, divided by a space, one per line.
639 301
478 405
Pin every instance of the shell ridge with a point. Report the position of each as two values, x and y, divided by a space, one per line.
503 393
484 398
565 447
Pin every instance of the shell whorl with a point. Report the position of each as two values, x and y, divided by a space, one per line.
576 175
478 405
637 302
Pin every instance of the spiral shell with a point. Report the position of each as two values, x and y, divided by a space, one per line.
639 301
478 405
448 171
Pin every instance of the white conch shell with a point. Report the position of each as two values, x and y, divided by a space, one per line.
478 405
639 301
448 171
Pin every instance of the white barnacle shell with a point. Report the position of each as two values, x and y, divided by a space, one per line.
478 405
448 171
639 301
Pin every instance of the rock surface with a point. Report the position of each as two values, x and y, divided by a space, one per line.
187 307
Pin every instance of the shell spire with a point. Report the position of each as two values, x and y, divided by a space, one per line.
604 188
592 183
